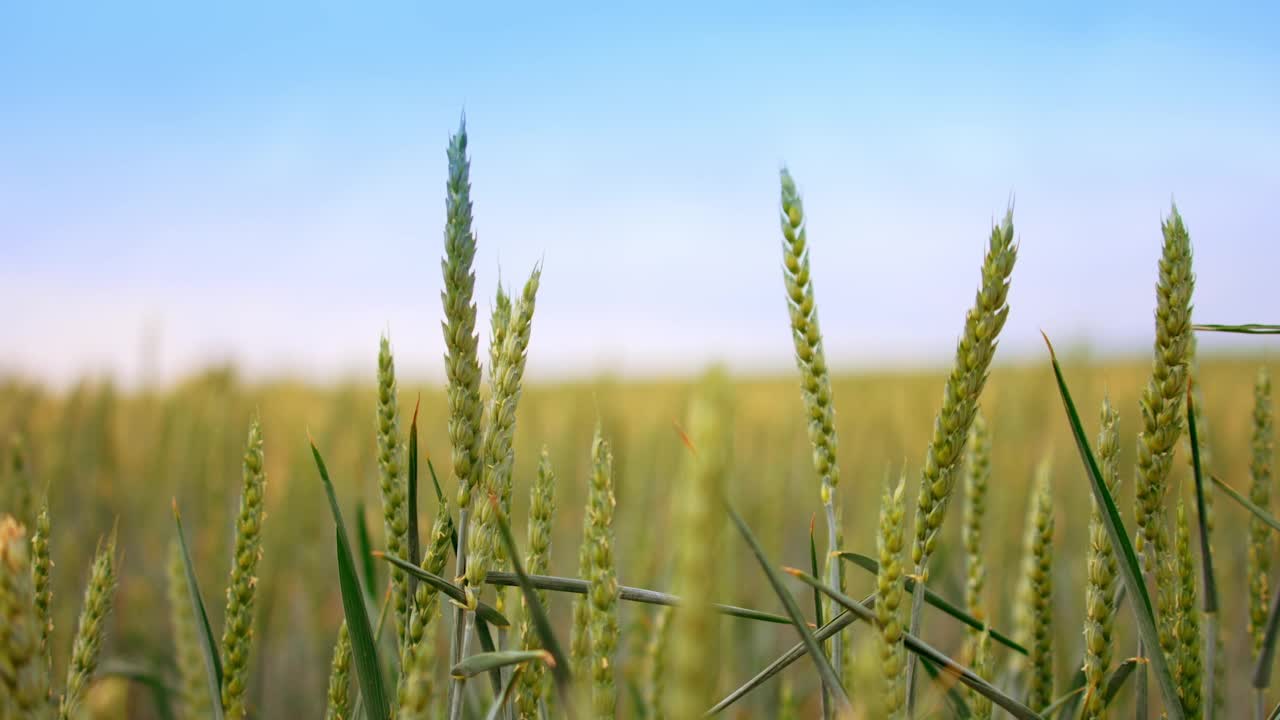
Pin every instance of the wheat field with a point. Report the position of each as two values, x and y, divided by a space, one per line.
636 484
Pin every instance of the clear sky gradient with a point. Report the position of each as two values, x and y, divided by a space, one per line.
263 182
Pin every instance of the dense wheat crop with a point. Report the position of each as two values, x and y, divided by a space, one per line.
626 484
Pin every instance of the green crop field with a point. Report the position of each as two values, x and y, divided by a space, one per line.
668 540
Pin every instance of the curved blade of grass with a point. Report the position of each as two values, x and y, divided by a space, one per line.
415 551
1210 599
142 675
486 612
369 570
1118 677
951 693
1209 596
1246 329
364 650
208 645
541 622
576 586
484 662
817 603
487 645
1058 707
1065 706
1127 560
1247 504
1275 713
924 650
504 695
839 622
453 525
828 673
872 566
1266 658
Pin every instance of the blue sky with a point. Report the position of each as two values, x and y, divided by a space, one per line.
265 184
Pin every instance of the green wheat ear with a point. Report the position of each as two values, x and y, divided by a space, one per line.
1100 606
193 683
974 352
694 654
815 380
655 689
16 497
92 627
392 483
1035 591
542 505
237 635
602 594
1162 399
977 473
507 379
24 677
1260 543
889 592
41 568
424 610
338 706
1188 668
984 667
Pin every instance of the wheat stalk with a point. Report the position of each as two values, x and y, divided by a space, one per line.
193 683
603 591
338 706
1187 667
91 628
977 473
815 381
24 677
889 592
542 505
392 483
462 366
1035 595
693 652
655 689
41 568
974 352
1100 609
983 665
1259 562
237 635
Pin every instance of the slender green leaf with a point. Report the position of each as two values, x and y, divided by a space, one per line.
1130 572
924 650
364 650
209 646
541 622
1116 679
828 673
1247 504
1267 656
415 552
370 570
1210 598
1246 329
1058 707
936 600
504 695
817 603
950 691
453 526
143 675
1275 713
484 611
473 665
842 620
488 645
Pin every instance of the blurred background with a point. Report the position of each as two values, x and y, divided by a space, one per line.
208 211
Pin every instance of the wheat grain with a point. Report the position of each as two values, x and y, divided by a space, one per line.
338 706
1259 561
1188 666
1035 596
